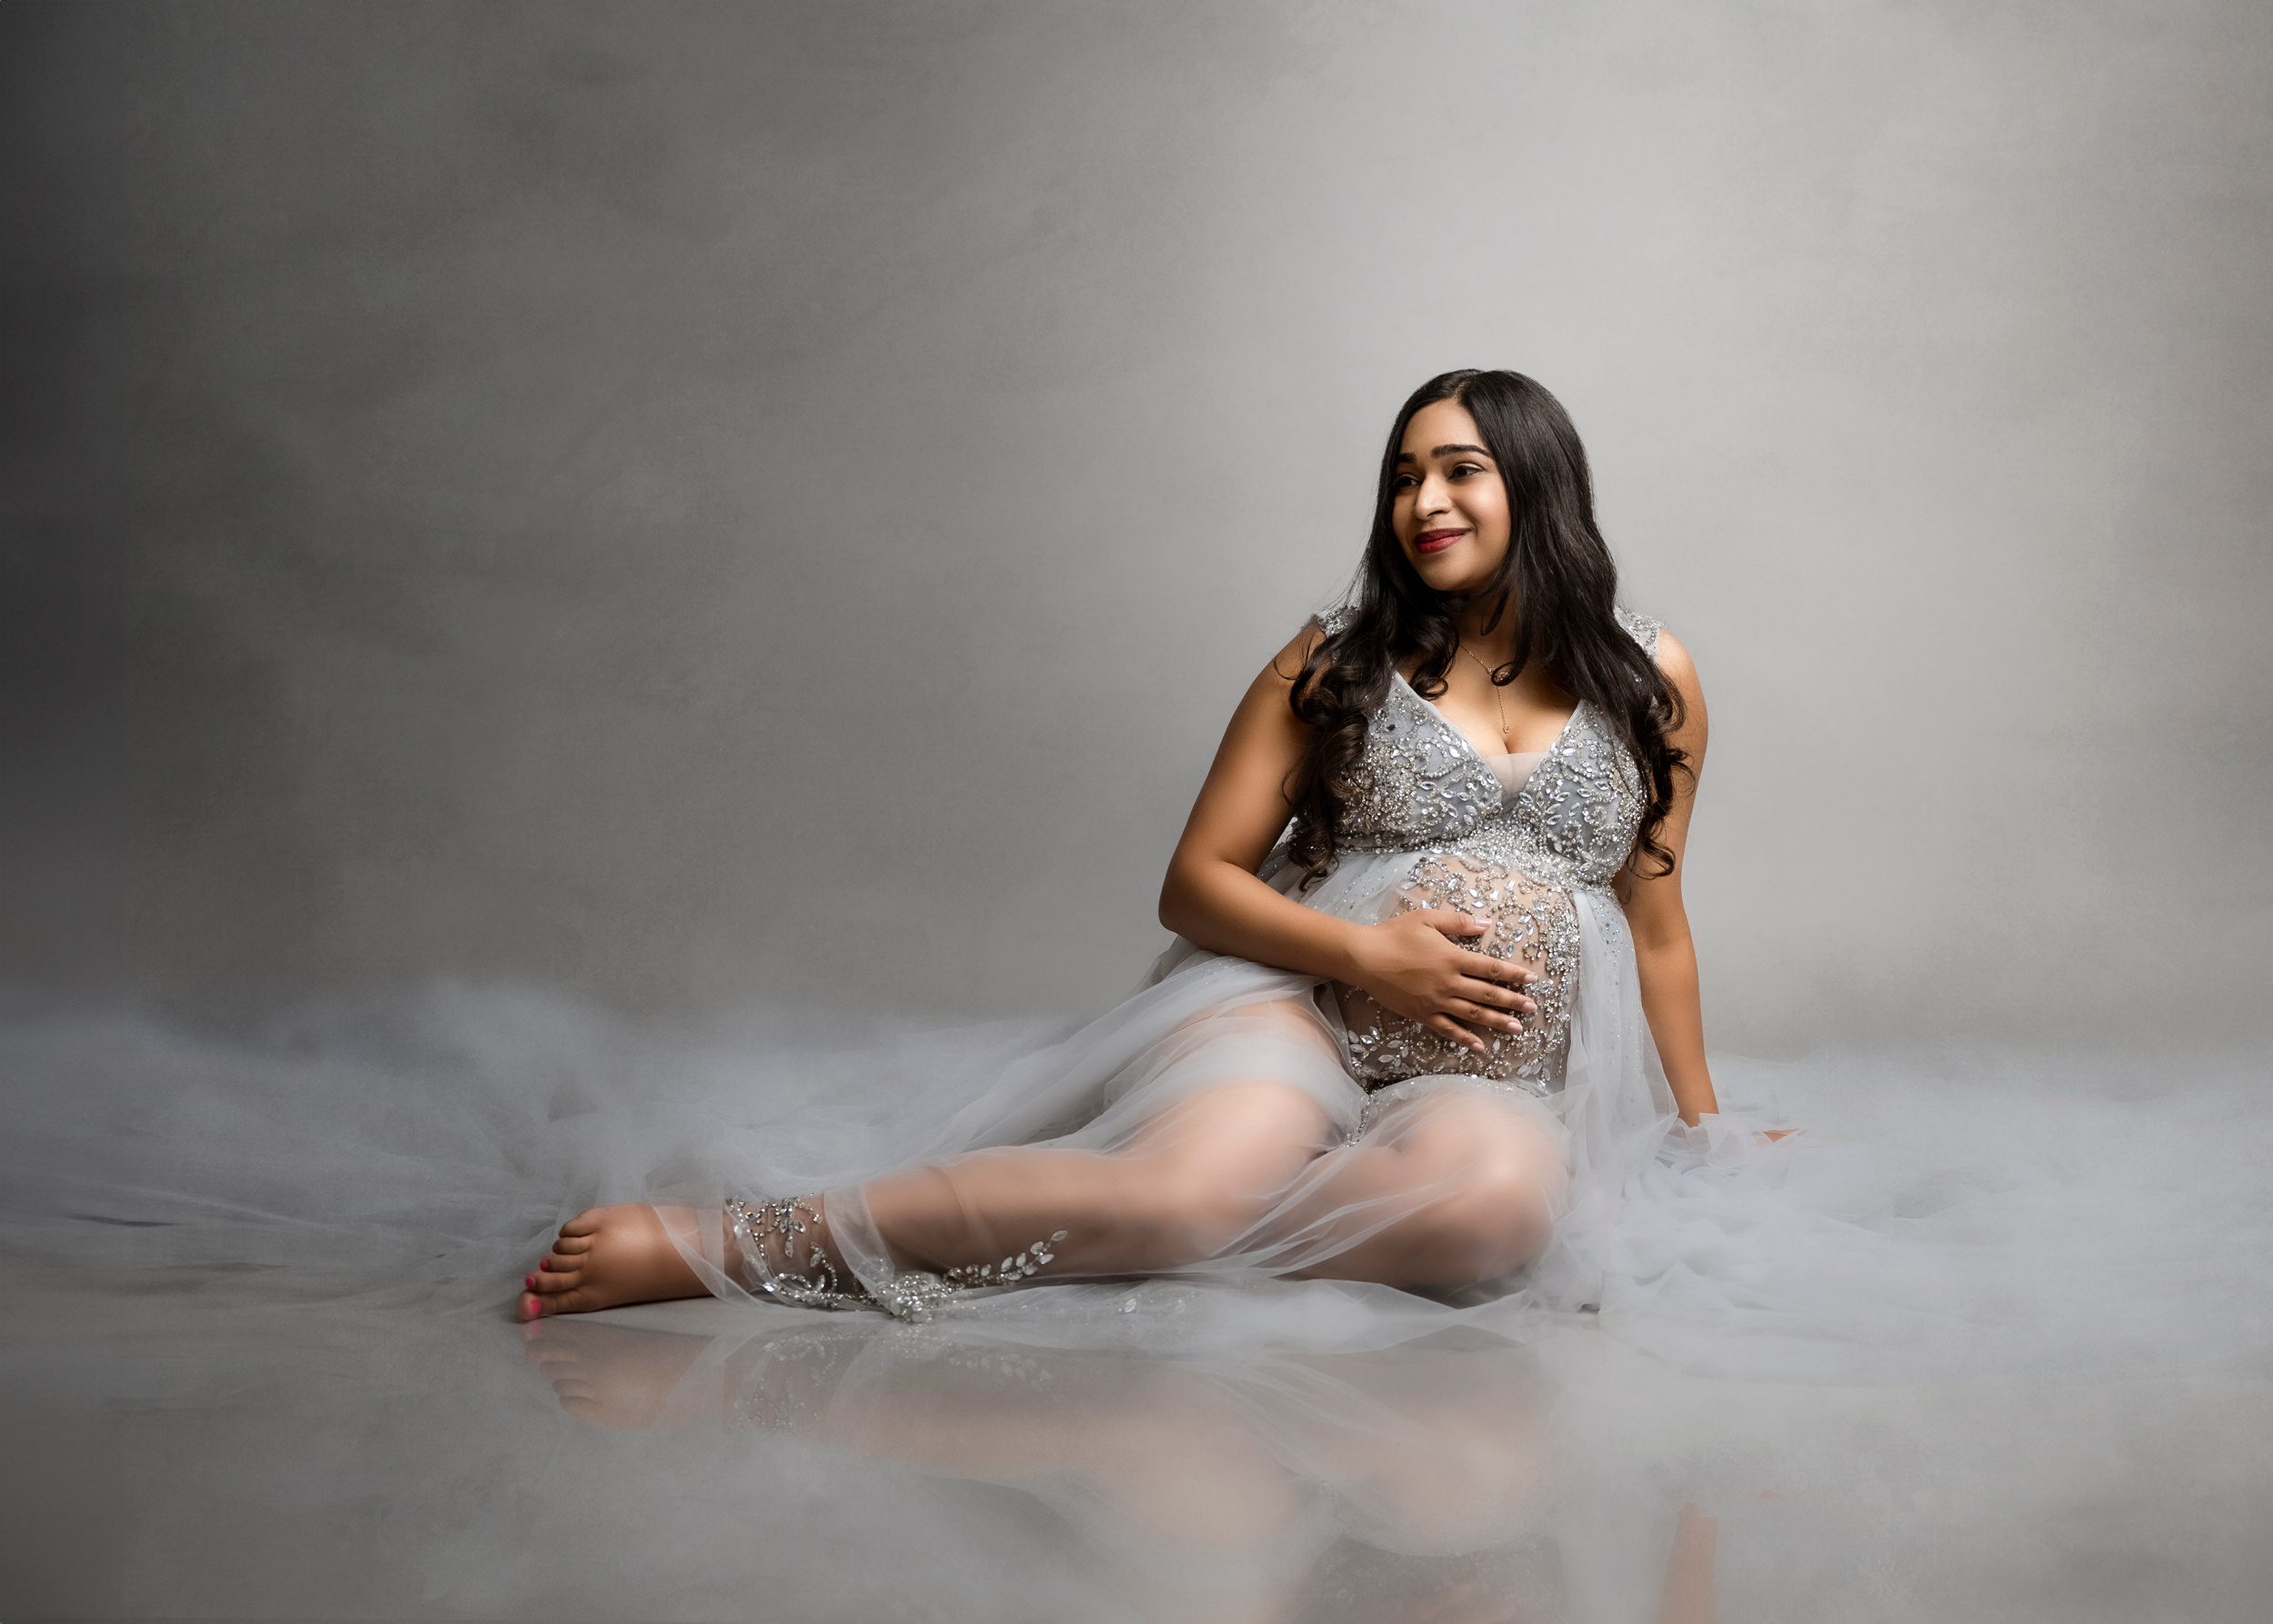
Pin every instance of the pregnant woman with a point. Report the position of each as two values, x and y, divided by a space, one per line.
1432 1006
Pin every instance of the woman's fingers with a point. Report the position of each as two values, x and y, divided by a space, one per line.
1451 920
1498 996
1485 967
1446 1027
1476 1015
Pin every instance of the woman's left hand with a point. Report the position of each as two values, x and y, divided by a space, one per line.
1766 1136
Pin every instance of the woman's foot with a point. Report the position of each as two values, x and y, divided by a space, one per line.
605 1257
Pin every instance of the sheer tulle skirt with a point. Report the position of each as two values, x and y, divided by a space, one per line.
1208 1128
1206 1132
2008 1211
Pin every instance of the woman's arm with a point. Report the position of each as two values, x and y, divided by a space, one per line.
1212 897
1663 955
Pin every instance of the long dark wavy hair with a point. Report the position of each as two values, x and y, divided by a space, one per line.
1558 579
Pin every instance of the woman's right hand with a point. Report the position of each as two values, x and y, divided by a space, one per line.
1412 963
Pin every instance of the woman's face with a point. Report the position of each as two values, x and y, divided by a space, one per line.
1449 504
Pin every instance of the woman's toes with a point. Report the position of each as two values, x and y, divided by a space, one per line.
562 1299
572 1246
548 1282
587 1222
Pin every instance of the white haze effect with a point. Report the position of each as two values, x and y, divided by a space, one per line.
300 1243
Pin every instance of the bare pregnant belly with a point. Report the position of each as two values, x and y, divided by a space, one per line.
1533 922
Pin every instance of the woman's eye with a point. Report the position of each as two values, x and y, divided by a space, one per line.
1458 469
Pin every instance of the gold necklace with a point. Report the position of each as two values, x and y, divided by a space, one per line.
1499 699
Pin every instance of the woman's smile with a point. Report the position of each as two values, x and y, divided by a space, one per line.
1435 541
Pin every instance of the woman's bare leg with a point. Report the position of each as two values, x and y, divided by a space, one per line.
1186 1183
1447 1189
1178 1185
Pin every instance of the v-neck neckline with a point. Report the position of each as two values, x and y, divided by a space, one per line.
1481 758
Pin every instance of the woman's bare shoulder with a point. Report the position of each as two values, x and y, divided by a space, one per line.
1672 658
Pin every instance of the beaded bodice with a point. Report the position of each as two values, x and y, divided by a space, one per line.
1517 860
1421 785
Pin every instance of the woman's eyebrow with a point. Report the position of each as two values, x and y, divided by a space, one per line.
1406 457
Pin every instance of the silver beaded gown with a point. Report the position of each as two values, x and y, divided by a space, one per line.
1577 1101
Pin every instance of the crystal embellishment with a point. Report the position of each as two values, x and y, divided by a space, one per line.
809 1278
1518 860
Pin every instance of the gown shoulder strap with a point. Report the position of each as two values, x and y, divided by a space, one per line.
1334 618
1642 628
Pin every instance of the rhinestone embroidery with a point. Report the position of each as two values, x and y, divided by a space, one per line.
1417 776
817 1284
913 1294
916 1294
1515 860
1534 923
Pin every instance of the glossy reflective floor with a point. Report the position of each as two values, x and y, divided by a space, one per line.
191 1444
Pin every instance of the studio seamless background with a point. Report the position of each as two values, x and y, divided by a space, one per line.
696 507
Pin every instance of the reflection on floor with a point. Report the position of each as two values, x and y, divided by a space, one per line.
205 1444
260 1363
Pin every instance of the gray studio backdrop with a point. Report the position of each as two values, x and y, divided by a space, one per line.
703 506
